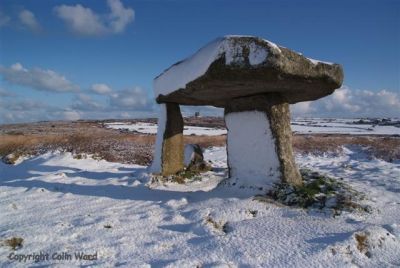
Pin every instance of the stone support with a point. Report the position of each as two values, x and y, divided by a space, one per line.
172 144
259 142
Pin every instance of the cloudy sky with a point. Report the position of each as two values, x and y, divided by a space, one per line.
66 59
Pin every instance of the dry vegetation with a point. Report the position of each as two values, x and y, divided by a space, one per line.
91 137
115 148
217 225
14 242
383 147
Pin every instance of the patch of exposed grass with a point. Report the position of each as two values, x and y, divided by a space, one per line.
79 156
386 148
362 243
12 158
219 226
318 191
186 175
199 167
14 242
253 213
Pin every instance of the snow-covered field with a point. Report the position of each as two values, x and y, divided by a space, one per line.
149 128
60 204
299 125
341 126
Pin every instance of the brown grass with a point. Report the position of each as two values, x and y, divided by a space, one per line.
14 242
206 141
383 147
220 226
125 148
362 243
116 146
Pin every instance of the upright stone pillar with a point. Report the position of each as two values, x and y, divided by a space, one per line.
173 145
259 141
169 152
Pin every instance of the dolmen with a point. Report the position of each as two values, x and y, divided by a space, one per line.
254 80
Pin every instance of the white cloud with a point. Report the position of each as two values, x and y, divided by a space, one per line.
84 21
24 105
18 110
84 102
4 19
302 108
101 89
107 103
71 115
28 19
37 78
132 99
5 93
131 103
345 102
24 110
81 20
134 103
120 16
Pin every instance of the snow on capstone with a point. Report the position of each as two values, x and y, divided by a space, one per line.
252 154
257 54
315 62
195 66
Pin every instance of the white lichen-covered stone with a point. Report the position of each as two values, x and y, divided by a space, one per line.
252 157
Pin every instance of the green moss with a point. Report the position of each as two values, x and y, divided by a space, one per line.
318 191
199 167
191 173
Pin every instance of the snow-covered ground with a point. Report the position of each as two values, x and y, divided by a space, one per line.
149 128
341 126
60 204
299 125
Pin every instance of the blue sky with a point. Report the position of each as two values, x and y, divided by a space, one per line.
64 59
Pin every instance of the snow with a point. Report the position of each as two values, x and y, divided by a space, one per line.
251 149
150 128
203 131
210 181
162 121
299 125
180 74
340 126
257 54
60 204
141 127
315 62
